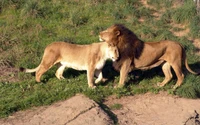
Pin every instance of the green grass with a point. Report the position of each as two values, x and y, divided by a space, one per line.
160 3
185 12
28 26
116 106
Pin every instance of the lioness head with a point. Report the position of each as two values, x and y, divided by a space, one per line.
112 52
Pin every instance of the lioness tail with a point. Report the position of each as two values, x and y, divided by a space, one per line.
28 70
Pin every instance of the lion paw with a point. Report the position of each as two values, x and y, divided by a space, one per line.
62 77
104 80
97 81
160 84
118 86
92 87
175 87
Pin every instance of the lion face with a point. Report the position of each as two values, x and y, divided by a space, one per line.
110 34
112 52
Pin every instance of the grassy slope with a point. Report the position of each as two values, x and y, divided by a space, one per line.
26 27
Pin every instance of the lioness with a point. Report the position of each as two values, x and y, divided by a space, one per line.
89 57
136 54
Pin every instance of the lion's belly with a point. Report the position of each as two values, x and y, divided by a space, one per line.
74 65
150 66
151 57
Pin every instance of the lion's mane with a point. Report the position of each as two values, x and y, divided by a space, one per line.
129 45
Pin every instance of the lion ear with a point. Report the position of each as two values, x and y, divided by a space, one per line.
118 33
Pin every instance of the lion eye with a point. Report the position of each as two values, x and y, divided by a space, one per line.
110 45
116 51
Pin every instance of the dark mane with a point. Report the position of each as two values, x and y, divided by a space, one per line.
128 37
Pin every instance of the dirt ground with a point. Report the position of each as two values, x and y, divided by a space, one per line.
145 109
78 110
156 109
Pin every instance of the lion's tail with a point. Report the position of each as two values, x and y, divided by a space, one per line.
186 64
28 70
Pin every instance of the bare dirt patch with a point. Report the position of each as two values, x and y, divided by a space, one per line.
78 110
184 32
146 109
156 109
8 74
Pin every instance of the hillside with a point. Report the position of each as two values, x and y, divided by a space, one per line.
28 26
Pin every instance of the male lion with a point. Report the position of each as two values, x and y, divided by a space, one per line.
136 54
89 57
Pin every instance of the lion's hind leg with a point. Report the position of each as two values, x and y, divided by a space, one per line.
167 72
59 72
42 69
180 76
47 62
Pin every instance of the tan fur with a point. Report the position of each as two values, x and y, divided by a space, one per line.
135 54
89 57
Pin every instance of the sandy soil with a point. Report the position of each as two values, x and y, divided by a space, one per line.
146 109
156 109
78 110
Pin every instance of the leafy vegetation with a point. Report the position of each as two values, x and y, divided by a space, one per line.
28 26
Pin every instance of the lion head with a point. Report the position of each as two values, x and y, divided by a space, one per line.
112 52
126 41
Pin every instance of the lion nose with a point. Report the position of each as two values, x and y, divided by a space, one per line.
113 58
100 39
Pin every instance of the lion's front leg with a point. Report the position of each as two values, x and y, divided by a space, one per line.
117 66
167 72
90 76
99 75
124 72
